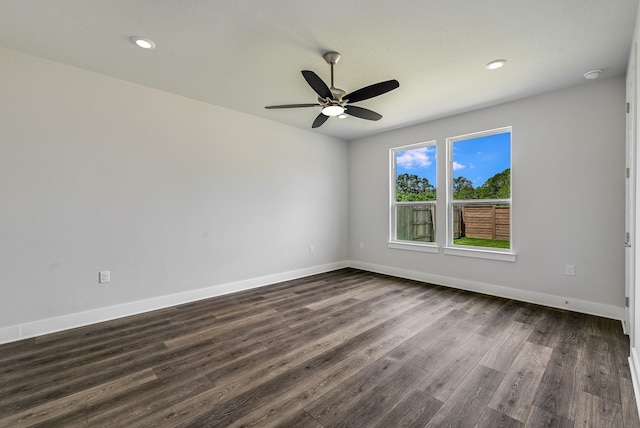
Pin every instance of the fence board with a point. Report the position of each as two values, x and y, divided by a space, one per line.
415 223
486 221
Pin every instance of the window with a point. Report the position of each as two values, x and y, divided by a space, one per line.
413 197
479 195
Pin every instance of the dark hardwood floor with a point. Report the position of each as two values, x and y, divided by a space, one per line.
342 349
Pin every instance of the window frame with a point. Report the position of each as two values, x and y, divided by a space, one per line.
471 251
393 242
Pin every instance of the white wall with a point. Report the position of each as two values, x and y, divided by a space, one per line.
568 200
169 194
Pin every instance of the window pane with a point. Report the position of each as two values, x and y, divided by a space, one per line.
414 193
415 222
482 167
481 189
416 174
482 225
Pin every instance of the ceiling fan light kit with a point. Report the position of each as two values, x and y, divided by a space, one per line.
337 102
333 110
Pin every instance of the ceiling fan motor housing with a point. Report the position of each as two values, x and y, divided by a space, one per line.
337 96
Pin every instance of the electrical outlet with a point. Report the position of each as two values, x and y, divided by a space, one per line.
104 277
362 245
312 249
569 270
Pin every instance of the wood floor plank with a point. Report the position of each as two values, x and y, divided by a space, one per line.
284 407
342 348
300 419
329 408
482 305
508 344
374 405
438 330
600 326
416 410
469 400
540 418
77 402
560 328
35 388
515 394
600 373
447 342
432 309
356 292
454 367
560 384
493 419
597 412
528 313
212 408
480 314
501 318
75 351
218 329
206 359
148 399
629 408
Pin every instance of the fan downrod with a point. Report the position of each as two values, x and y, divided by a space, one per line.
332 59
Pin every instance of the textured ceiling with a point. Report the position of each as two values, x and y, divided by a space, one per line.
246 54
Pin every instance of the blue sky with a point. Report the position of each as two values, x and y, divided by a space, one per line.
476 159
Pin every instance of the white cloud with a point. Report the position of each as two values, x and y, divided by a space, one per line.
457 166
415 158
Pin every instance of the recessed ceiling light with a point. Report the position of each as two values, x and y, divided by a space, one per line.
593 74
494 65
143 42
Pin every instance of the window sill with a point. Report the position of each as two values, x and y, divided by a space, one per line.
480 254
410 246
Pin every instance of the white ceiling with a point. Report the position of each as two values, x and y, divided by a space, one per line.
246 54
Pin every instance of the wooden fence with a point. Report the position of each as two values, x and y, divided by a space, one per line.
415 223
484 221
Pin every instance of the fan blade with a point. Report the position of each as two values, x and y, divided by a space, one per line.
317 84
371 91
319 120
294 106
362 113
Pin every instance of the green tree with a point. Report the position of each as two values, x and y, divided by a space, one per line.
410 187
496 187
463 188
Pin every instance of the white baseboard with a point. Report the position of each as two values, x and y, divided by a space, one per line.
65 322
572 304
634 366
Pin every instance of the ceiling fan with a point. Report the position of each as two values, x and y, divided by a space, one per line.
335 101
